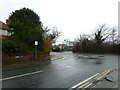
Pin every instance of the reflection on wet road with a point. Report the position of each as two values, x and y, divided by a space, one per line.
64 70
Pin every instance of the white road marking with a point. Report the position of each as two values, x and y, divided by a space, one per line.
22 75
84 81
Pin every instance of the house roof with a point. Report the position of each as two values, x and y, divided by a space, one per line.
3 25
62 45
4 30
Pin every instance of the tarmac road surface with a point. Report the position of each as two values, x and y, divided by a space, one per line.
63 70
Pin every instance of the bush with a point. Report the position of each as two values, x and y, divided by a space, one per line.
94 48
9 46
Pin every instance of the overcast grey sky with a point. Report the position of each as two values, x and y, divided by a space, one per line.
72 17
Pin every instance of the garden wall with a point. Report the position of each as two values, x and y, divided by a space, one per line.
12 58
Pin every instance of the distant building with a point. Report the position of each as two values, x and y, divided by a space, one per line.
3 30
69 44
64 46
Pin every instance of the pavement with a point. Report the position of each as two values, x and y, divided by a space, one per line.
100 81
109 81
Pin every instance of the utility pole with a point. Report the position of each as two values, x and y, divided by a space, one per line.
81 43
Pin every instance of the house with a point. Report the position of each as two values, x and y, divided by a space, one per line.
64 46
69 44
4 30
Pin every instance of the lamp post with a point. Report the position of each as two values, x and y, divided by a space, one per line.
81 43
36 44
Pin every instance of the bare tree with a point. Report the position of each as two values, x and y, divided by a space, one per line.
51 34
114 36
101 34
54 34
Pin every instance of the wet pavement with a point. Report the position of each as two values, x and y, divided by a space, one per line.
109 81
63 70
105 80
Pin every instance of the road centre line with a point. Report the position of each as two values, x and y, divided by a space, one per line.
22 75
84 81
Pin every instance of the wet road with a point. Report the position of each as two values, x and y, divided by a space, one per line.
66 71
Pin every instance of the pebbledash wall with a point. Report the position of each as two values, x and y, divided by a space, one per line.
11 58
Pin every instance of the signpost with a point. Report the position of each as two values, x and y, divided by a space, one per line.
36 44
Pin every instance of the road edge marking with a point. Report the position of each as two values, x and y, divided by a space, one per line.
84 85
101 74
84 81
88 85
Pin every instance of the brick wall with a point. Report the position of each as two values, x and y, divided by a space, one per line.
18 57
